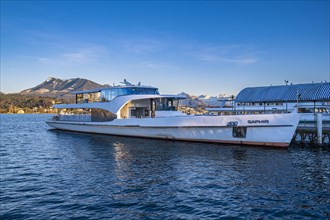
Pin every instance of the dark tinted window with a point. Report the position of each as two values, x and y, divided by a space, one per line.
239 132
110 94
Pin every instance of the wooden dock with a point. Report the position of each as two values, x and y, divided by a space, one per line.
307 132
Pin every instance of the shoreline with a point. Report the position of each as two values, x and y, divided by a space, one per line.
9 113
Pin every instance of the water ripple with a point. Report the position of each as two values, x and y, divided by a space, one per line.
49 174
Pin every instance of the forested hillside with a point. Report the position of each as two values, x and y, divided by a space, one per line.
17 103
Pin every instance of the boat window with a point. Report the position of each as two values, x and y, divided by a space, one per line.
113 93
164 104
109 94
79 98
128 91
239 132
120 92
139 112
146 112
94 97
153 91
133 112
105 95
102 115
140 90
135 90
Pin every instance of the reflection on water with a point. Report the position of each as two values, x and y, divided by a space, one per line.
56 174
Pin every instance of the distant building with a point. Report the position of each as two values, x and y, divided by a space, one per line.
306 98
20 111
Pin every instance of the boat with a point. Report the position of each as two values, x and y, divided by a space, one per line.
141 111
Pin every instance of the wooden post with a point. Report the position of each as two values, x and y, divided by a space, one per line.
319 128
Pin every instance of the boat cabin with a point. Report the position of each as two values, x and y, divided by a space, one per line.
150 108
107 94
120 102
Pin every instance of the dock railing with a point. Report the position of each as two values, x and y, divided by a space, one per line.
313 128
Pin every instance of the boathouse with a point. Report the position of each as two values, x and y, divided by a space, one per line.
305 98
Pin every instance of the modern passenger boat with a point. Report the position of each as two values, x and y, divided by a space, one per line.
140 111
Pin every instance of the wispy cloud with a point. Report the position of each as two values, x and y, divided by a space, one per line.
85 55
44 60
228 54
152 65
143 46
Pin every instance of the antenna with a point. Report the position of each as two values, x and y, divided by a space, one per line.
126 83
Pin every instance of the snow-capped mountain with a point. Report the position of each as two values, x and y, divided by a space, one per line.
203 101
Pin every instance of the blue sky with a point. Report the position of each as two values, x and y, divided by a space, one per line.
199 47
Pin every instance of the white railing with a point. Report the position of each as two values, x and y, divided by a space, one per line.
309 120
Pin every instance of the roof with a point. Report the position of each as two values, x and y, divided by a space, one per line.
308 92
116 104
89 91
110 87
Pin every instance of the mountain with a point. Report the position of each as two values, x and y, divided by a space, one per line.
204 101
54 87
190 101
59 88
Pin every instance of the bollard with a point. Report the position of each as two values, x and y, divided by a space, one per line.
319 128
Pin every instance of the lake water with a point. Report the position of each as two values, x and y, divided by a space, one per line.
50 174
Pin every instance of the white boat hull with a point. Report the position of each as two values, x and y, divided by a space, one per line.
267 130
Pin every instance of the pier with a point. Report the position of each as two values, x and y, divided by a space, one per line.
312 100
314 132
